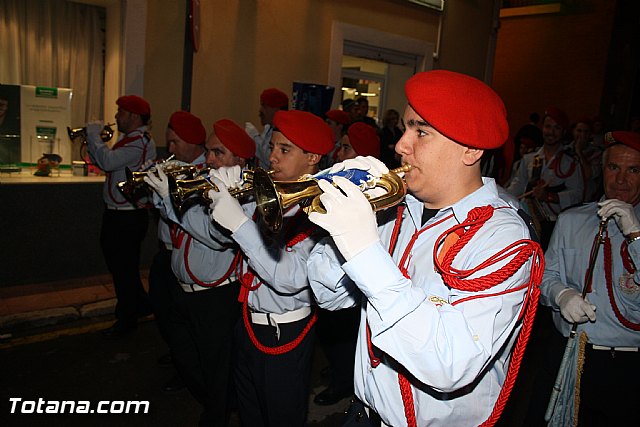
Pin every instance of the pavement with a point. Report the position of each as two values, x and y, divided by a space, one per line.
50 349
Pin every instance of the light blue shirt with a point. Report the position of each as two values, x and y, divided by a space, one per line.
282 270
133 155
458 354
208 259
567 260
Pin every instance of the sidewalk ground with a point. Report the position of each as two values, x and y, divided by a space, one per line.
43 320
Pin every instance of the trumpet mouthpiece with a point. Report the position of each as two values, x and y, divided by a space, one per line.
406 167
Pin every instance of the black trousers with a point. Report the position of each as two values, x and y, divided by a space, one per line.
337 332
609 394
200 334
161 282
121 237
273 390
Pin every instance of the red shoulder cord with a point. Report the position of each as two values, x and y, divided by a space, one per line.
521 251
246 282
119 144
608 272
193 277
556 163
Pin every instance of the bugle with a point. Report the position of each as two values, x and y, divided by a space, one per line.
189 192
105 135
135 186
274 197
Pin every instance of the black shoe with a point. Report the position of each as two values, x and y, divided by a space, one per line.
166 361
119 329
331 396
173 385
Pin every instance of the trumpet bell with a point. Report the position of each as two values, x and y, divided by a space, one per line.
132 188
76 133
274 197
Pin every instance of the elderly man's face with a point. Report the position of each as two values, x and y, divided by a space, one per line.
621 173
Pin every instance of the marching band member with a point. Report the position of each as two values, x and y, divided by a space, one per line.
448 277
610 313
124 224
204 305
274 338
551 175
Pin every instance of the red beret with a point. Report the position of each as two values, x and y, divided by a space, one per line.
306 130
274 98
339 116
188 127
364 139
628 138
460 107
558 116
235 138
134 104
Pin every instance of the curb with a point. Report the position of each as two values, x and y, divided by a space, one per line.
23 322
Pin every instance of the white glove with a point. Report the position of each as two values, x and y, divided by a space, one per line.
230 176
349 219
160 183
94 129
251 129
574 308
369 163
623 213
225 209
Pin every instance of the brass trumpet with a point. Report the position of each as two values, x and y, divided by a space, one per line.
135 187
188 192
105 135
274 197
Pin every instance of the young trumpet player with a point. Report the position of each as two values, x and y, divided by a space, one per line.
124 224
203 303
448 277
275 335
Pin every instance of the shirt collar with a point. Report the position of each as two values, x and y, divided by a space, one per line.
485 195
